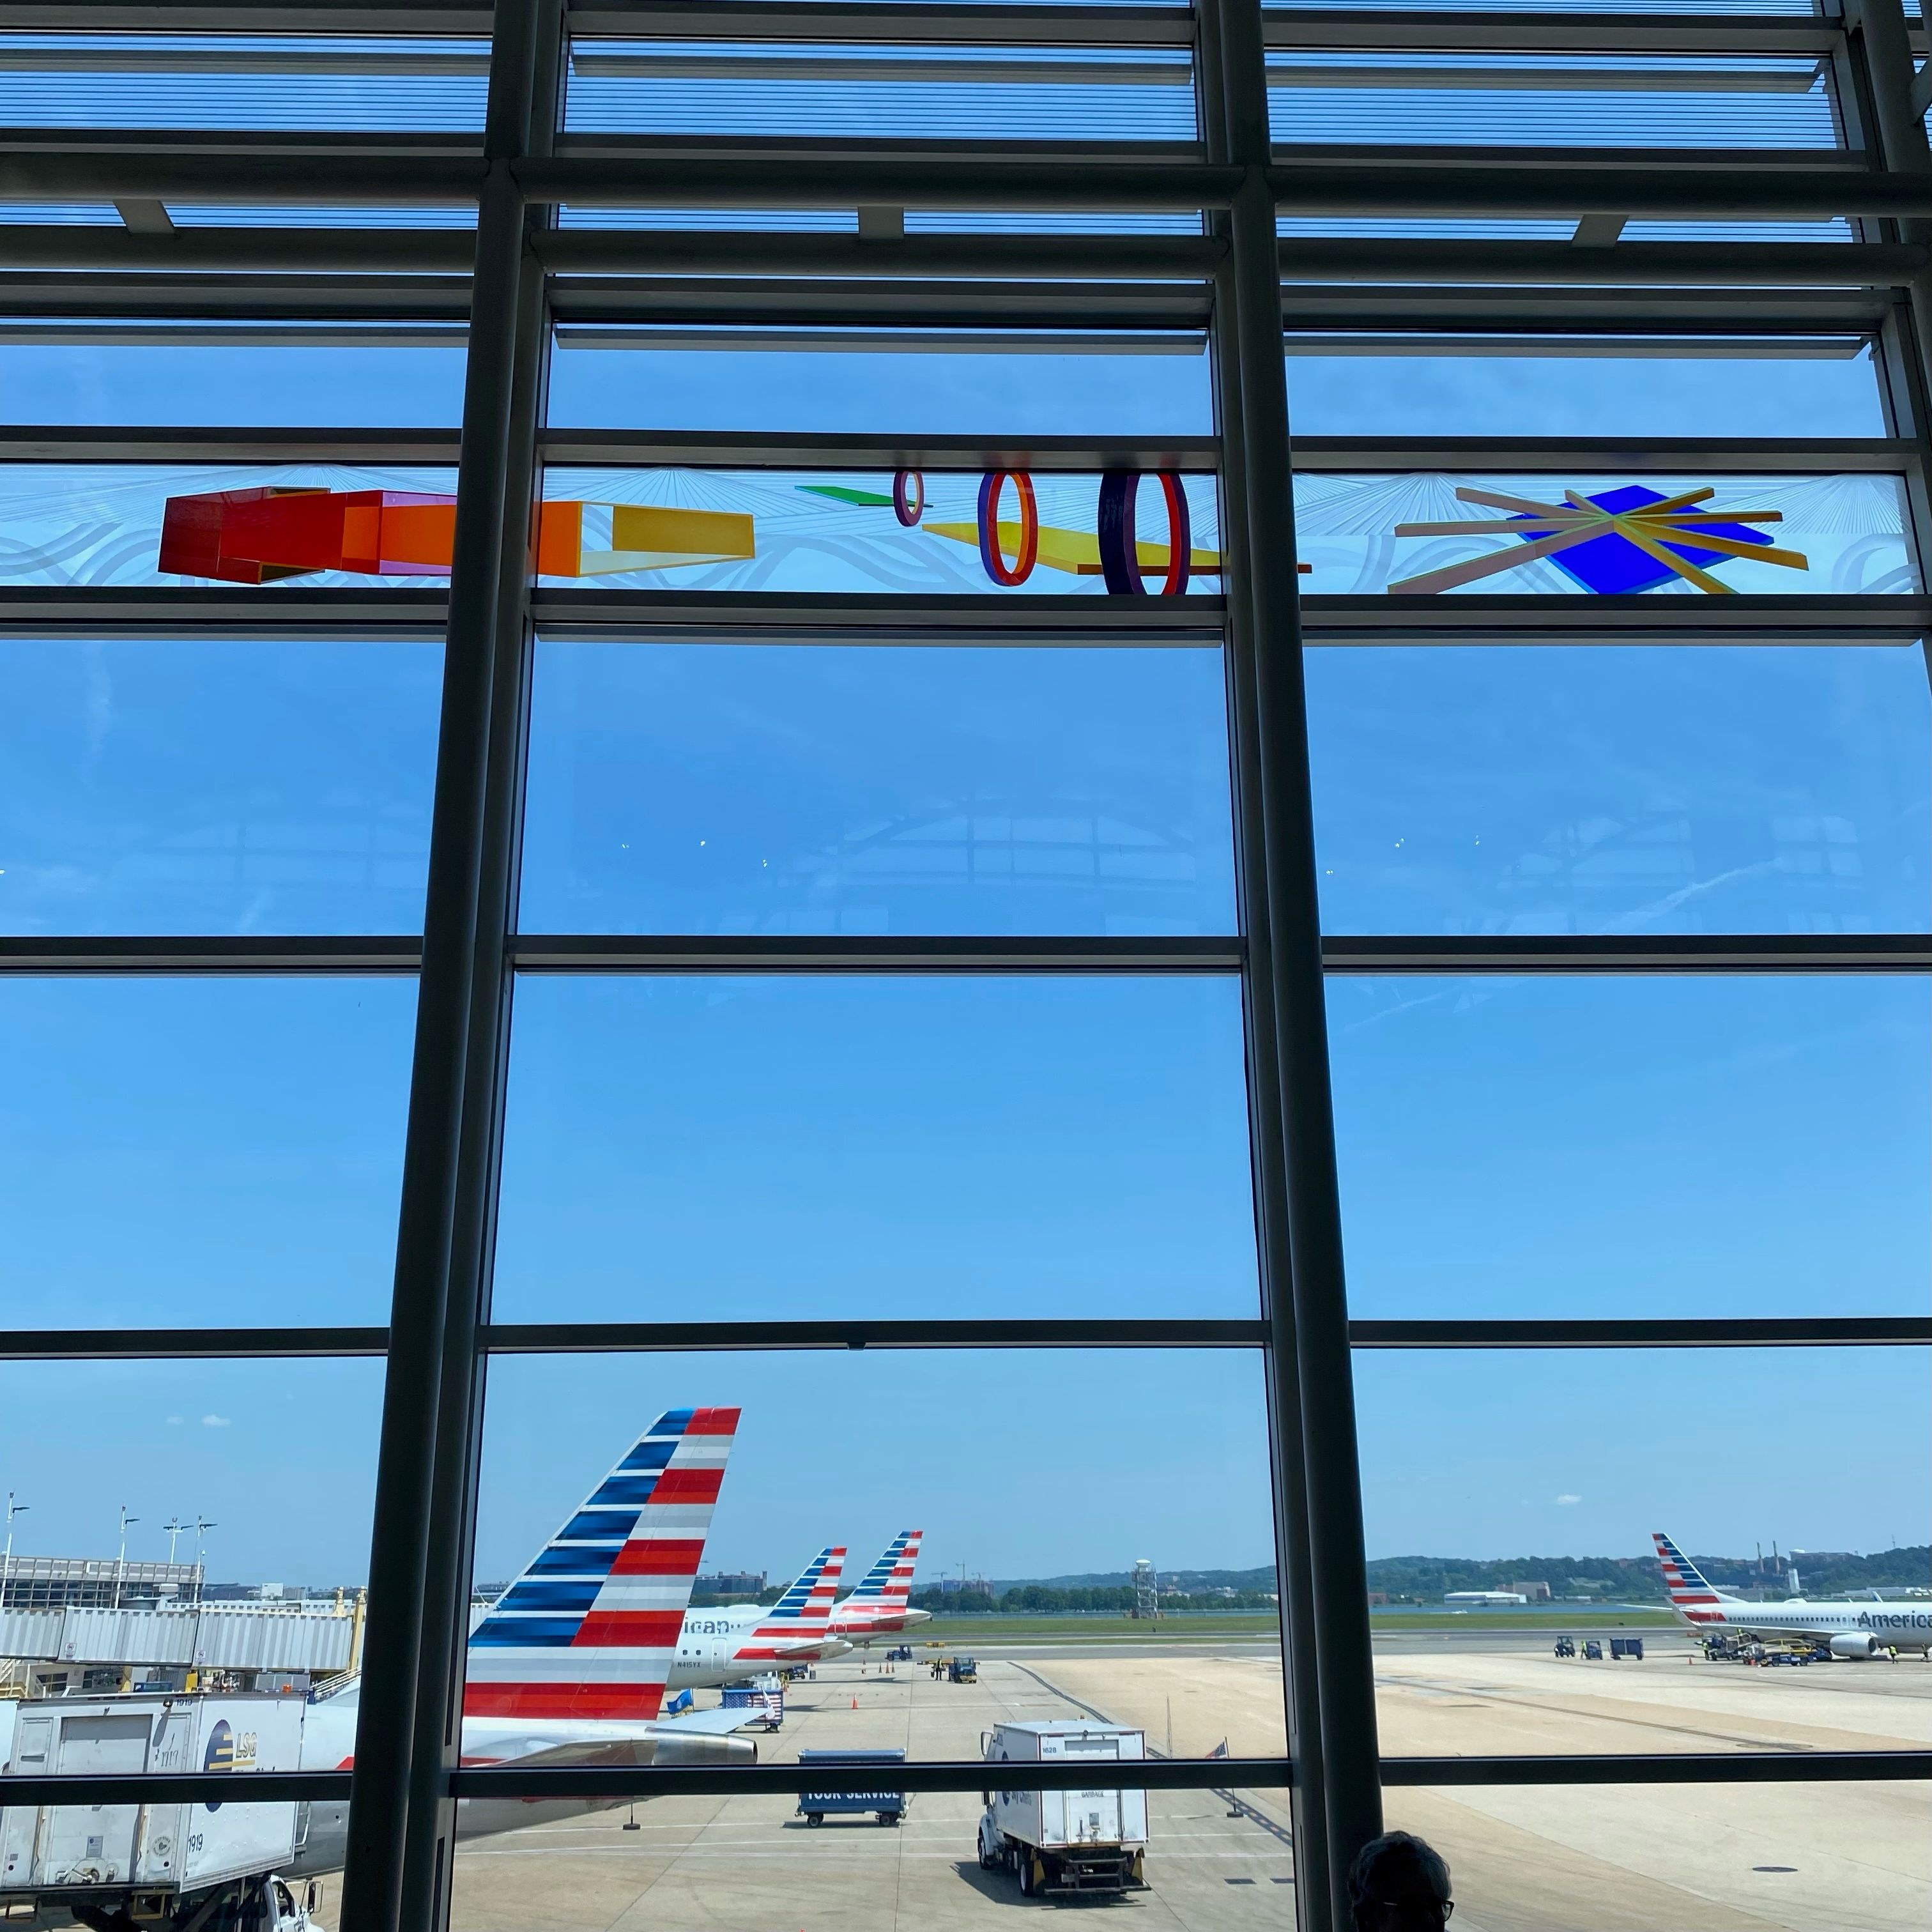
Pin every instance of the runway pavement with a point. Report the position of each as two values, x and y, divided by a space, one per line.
1635 1859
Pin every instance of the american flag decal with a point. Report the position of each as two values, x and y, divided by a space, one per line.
590 1628
1689 1594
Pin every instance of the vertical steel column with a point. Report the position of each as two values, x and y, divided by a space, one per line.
426 1286
1307 1796
1879 50
429 1845
1293 992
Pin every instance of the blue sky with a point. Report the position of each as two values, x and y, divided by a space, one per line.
193 1151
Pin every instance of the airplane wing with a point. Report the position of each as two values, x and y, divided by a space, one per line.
718 1723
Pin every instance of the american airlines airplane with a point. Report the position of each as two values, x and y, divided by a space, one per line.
570 1664
879 1607
1851 1630
723 1646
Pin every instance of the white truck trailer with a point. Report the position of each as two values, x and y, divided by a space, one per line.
1062 1844
159 1865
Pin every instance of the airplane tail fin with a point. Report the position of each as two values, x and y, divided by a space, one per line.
1690 1596
589 1629
888 1584
806 1607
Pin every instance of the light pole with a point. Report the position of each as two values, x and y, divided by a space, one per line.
13 1509
173 1527
121 1560
201 1527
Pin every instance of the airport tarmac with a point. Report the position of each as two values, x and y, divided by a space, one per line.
1632 1859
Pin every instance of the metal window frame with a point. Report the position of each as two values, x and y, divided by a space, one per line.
506 286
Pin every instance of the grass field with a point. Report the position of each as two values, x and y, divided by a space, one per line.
962 1632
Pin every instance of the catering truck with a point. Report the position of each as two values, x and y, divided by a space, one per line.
1091 1842
163 1865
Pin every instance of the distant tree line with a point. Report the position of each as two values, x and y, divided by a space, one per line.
1429 1578
1638 1579
1049 1599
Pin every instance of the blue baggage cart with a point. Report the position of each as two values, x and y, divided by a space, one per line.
815 1807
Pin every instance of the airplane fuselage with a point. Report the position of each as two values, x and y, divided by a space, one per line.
862 1627
1897 1625
725 1646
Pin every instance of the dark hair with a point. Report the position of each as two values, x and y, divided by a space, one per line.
1397 1869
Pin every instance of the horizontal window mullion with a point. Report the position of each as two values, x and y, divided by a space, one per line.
751 449
933 23
395 611
1342 30
1574 455
220 953
1391 260
1639 1332
1795 1767
210 1788
188 1344
1534 618
1085 256
528 1338
292 298
647 1337
82 245
777 952
1652 952
906 302
940 619
28 444
1673 184
659 1780
761 953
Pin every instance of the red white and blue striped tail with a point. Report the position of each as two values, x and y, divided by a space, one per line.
1689 1593
590 1628
805 1609
889 1581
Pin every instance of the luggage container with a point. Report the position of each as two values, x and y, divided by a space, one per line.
147 1860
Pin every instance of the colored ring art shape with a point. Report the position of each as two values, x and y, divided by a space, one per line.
1119 549
908 497
990 486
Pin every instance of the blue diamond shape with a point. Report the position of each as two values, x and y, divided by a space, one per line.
1611 565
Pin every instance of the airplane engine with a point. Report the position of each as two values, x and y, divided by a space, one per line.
686 1748
1858 1644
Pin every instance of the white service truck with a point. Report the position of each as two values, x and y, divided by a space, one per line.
161 1868
1089 1843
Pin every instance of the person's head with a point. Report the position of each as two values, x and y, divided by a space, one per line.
1399 1883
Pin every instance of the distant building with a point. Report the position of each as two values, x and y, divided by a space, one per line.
1469 1599
90 1583
730 1583
1534 1593
1377 1598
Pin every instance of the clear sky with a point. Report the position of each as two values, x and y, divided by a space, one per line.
186 1152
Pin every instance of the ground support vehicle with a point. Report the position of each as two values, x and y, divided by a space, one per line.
963 1670
899 1654
1593 1651
1064 1844
165 1865
815 1807
1566 1646
1627 1646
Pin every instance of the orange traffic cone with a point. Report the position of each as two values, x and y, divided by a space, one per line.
855 1703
